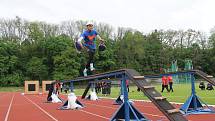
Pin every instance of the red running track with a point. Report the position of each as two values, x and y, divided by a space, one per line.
17 107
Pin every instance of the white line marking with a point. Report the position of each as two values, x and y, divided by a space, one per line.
8 111
101 106
153 115
41 109
117 108
91 113
94 114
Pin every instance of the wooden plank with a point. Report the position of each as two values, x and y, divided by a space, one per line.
209 76
159 98
148 87
173 111
44 84
36 83
138 77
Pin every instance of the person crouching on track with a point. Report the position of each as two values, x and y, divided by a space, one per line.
90 44
164 83
170 83
51 89
202 85
209 87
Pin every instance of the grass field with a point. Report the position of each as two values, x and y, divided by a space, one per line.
180 94
11 89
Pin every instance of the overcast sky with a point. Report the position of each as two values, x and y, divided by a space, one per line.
143 15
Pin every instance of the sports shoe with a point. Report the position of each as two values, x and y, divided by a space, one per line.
85 72
91 67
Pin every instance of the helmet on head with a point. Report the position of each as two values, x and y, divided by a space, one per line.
89 23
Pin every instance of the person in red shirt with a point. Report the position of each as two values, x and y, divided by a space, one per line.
170 83
57 87
165 83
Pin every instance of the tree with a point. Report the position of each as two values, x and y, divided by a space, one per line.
36 70
66 65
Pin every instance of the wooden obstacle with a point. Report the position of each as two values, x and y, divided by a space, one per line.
32 87
46 85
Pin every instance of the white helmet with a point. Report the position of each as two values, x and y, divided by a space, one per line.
89 23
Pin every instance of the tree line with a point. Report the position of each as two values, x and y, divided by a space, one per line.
43 51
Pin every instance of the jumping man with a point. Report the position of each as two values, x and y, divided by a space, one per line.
89 37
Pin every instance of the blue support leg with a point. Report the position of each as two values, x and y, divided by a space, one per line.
193 105
119 100
127 111
125 93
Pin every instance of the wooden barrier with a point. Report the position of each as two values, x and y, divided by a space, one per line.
31 87
46 85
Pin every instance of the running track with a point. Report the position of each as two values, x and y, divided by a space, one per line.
17 107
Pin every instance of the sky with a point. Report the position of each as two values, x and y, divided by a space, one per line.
142 15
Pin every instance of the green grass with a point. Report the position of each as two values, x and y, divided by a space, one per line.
11 89
180 94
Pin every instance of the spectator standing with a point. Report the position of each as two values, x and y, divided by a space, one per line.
164 83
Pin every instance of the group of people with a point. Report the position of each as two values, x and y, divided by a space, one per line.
103 87
202 86
167 83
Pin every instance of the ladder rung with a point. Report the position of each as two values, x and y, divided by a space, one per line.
138 77
173 110
148 87
159 98
209 76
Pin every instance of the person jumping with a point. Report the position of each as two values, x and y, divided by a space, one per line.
89 37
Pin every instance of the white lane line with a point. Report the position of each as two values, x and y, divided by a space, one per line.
94 114
153 115
101 106
117 108
8 111
41 109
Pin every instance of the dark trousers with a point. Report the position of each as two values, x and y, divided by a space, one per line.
91 53
128 88
165 86
210 88
170 86
50 94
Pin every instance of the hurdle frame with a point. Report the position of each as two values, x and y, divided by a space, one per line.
36 82
44 83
